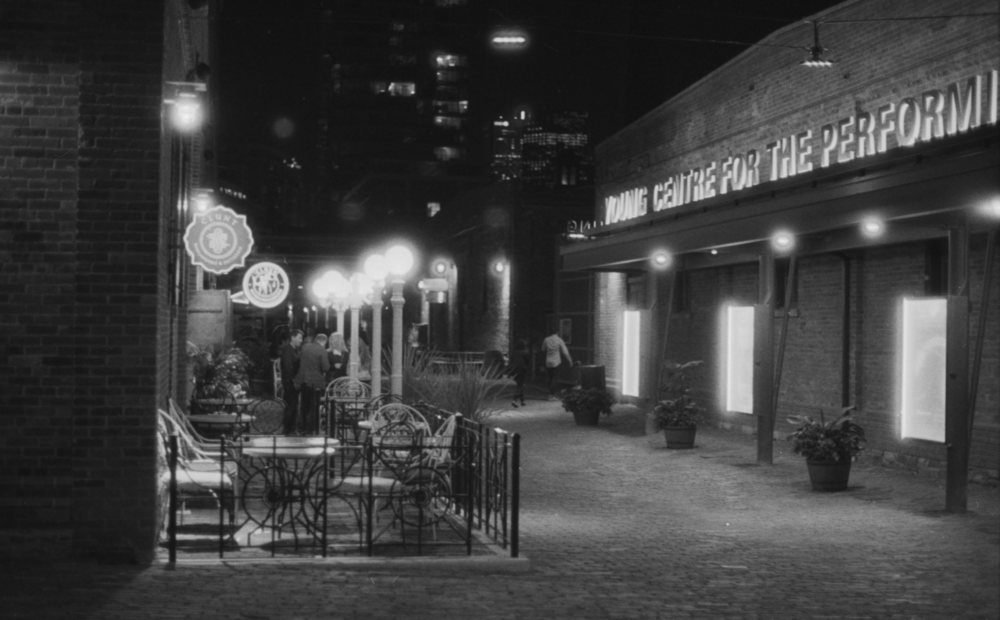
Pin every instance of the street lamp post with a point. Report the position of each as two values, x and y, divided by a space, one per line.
360 287
376 269
399 260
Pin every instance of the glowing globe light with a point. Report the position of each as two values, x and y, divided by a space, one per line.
661 259
783 241
399 259
872 227
376 267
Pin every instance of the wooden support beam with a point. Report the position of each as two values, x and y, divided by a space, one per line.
956 411
764 398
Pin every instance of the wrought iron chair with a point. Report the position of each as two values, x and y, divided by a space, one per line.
199 473
343 405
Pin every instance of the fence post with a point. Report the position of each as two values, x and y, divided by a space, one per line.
223 497
515 491
172 502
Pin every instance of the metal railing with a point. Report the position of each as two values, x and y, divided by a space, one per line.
263 497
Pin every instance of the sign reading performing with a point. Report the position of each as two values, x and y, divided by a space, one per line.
218 240
955 109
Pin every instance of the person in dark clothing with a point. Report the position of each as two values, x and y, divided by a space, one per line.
314 363
520 363
288 354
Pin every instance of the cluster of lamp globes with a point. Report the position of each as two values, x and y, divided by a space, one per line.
359 288
333 288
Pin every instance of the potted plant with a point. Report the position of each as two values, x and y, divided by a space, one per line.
587 404
829 448
225 372
677 414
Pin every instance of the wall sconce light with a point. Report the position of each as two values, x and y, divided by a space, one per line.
872 227
661 259
202 199
815 57
186 101
782 241
499 266
439 267
990 209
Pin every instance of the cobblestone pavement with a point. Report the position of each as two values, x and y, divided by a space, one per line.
614 525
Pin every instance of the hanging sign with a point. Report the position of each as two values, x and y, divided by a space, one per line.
218 240
265 285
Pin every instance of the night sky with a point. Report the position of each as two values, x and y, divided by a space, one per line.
616 58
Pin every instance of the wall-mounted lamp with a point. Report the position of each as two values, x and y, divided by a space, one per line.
815 57
499 266
990 209
661 259
782 241
872 227
439 267
186 101
203 200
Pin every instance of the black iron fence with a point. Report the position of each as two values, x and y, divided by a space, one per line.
450 491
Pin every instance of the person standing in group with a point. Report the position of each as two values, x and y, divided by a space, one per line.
520 362
339 356
314 363
555 350
288 355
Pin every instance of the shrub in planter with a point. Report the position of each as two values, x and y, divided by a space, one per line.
829 447
588 404
677 414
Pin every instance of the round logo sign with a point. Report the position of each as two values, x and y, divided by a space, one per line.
218 240
265 285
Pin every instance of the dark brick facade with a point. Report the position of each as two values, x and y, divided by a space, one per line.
760 96
80 283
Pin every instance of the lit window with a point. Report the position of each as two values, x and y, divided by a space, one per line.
446 61
448 122
402 89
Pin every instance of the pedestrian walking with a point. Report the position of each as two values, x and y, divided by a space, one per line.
555 351
520 362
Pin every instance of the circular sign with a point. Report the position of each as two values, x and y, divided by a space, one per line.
265 285
218 240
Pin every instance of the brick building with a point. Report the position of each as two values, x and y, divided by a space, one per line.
92 284
899 135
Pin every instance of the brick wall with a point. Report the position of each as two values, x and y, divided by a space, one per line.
763 95
80 225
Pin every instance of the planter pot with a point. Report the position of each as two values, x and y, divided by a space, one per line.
586 418
680 437
829 476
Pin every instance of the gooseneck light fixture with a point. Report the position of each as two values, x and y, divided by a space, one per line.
815 58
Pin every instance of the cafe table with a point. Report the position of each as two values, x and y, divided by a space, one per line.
283 480
222 424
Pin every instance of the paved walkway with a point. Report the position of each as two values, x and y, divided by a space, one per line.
614 525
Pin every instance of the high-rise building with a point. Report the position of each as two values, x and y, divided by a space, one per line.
395 130
552 152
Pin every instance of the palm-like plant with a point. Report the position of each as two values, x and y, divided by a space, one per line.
820 441
678 408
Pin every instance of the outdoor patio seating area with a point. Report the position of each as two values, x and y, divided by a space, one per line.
382 478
